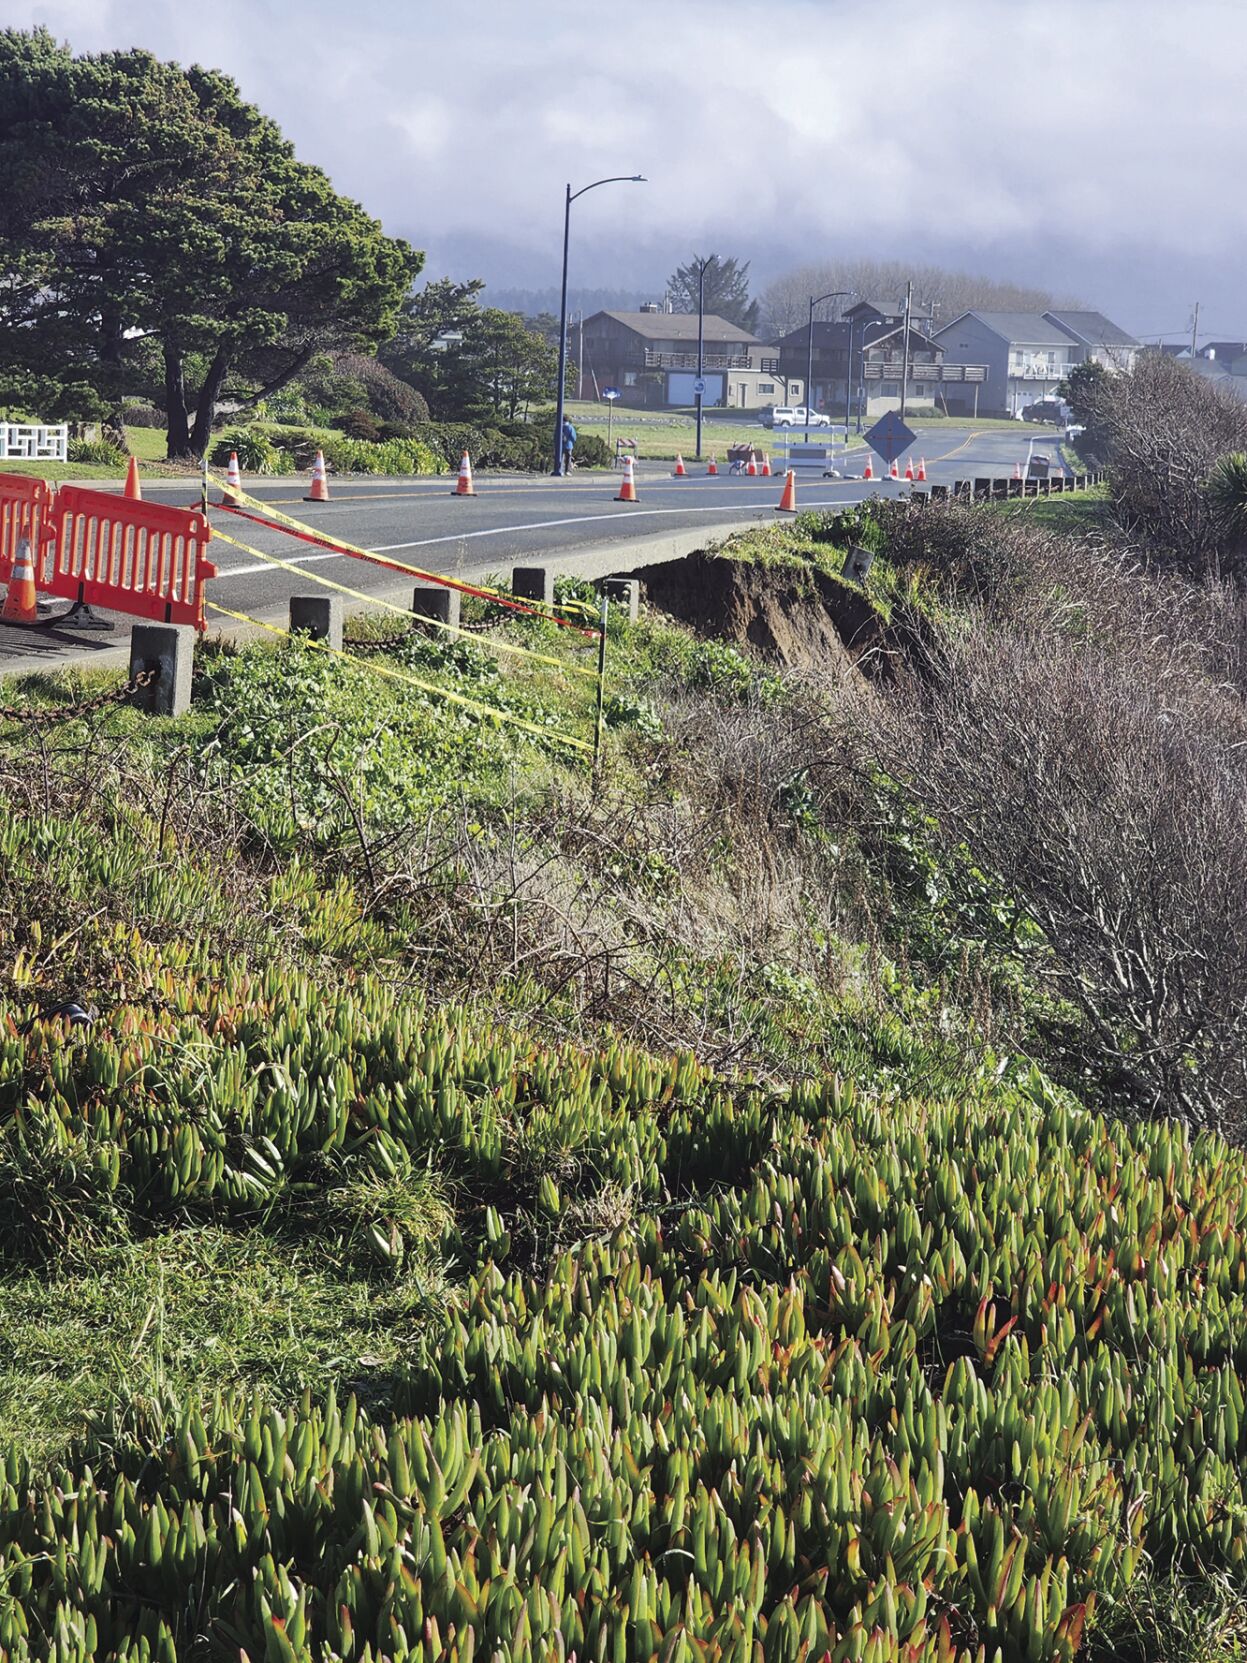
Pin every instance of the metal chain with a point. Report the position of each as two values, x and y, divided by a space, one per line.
85 707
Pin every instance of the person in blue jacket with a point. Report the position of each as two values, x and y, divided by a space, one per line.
569 444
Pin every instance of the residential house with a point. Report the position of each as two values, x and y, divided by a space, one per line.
1026 356
890 312
1101 341
651 356
878 351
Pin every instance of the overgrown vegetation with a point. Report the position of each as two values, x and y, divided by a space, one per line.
781 1199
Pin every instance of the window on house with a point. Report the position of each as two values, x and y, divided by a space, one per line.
629 378
766 386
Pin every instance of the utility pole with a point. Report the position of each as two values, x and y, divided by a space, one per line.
909 300
701 338
1195 329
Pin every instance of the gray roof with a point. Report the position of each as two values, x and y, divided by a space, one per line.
1024 328
892 308
678 326
1092 327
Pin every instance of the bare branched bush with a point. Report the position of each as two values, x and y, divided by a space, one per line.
1166 430
1088 741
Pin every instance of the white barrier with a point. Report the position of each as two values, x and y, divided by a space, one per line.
819 456
20 442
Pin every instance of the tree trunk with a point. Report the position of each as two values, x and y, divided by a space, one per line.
201 433
179 440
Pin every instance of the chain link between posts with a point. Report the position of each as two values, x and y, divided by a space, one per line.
34 714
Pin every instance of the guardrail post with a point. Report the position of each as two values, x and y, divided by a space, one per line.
436 602
533 583
169 649
319 616
624 591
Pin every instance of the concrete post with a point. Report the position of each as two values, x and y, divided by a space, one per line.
435 601
533 583
170 650
319 616
625 591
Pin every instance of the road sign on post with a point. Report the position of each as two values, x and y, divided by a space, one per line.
890 437
699 387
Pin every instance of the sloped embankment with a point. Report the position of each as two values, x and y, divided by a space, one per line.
794 613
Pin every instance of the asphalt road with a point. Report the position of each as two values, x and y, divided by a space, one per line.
572 523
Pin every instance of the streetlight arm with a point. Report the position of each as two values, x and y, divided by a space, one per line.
615 179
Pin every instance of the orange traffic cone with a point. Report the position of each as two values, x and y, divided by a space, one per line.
787 503
713 468
20 606
909 469
1017 470
894 471
922 469
679 471
627 491
868 471
766 467
320 485
133 488
752 469
233 479
463 485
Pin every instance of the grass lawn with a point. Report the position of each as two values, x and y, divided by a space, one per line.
147 443
661 433
1082 511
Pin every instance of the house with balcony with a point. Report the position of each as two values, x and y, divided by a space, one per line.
1026 356
651 356
877 344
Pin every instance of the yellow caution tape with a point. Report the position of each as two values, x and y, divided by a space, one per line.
491 712
402 612
237 494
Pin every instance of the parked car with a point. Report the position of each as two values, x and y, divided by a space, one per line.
1045 410
794 415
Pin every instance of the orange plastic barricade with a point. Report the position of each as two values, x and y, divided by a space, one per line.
23 509
130 556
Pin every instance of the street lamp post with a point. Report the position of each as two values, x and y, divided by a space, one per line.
701 339
817 300
615 179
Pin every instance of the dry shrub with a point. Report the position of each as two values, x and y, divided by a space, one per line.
1166 429
1084 733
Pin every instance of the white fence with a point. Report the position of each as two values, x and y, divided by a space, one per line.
22 443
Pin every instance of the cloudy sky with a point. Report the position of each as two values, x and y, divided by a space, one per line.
1093 146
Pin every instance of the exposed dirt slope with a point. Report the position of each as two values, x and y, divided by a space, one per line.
796 615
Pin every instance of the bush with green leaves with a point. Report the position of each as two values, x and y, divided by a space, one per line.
255 451
99 452
389 456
